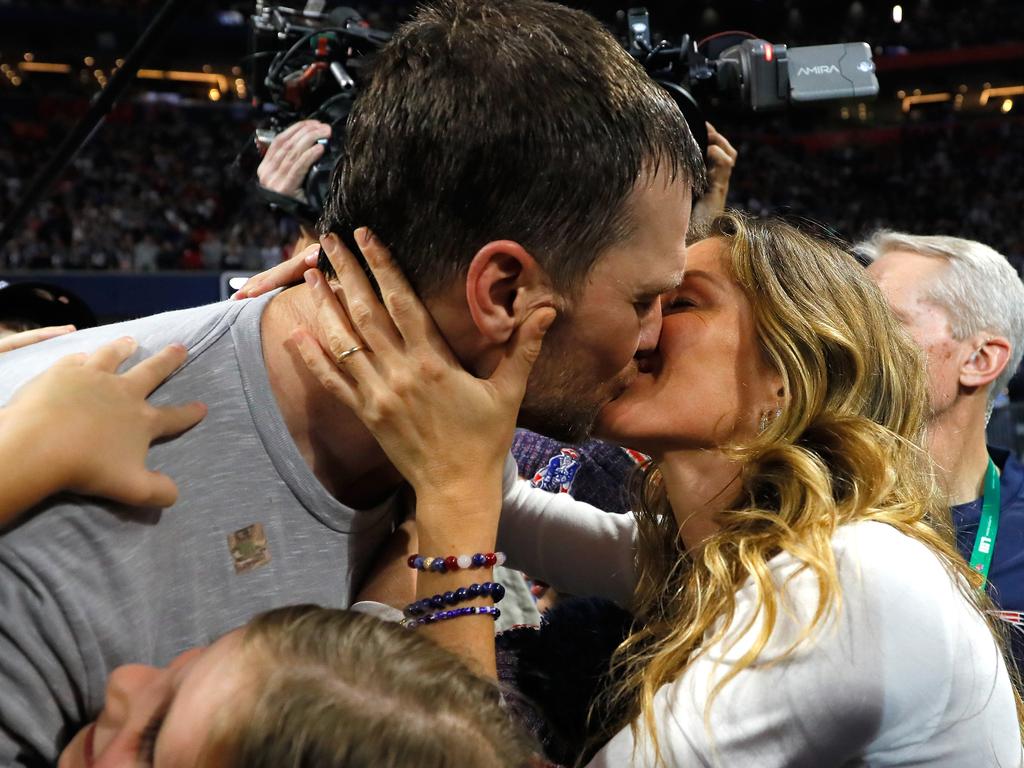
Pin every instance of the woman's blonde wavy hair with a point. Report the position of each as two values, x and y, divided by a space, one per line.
846 447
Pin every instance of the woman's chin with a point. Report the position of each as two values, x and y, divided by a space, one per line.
619 422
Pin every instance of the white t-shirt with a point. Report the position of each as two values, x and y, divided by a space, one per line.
904 674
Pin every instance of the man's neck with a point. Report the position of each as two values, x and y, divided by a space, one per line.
340 451
956 442
700 484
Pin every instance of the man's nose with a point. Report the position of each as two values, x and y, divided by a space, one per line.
650 329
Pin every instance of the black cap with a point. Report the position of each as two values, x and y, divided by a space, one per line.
43 304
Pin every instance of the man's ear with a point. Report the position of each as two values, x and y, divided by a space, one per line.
984 365
504 284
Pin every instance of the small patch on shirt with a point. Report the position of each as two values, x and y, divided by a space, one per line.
249 548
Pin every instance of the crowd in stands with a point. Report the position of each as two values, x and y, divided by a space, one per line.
958 177
153 189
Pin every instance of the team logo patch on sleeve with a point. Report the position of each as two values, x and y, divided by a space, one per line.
558 474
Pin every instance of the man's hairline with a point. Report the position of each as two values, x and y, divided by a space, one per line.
626 229
935 283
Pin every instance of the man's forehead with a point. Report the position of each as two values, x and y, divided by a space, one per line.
907 284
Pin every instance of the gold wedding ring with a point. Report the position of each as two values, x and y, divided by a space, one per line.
350 351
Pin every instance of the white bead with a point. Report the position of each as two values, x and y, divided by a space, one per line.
500 558
465 561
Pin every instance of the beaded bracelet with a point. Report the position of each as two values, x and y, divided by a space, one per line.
454 613
491 589
456 562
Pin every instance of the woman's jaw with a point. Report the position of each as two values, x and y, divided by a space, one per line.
707 382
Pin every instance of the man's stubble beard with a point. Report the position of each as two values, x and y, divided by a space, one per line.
562 403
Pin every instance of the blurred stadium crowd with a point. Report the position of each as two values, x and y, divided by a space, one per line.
154 189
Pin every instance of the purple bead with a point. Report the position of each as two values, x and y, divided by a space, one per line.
473 590
438 565
479 560
418 563
461 594
437 601
497 592
449 598
496 613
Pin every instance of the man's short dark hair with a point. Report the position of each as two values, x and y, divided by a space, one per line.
504 119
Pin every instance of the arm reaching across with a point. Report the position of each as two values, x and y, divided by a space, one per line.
24 338
574 547
81 426
280 275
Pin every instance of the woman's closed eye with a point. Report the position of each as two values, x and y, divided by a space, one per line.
677 304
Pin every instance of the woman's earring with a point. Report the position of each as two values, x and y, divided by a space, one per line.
767 417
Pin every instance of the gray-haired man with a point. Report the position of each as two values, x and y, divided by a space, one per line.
964 304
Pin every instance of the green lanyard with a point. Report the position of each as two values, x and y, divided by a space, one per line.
988 526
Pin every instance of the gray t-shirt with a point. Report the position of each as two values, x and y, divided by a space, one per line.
87 585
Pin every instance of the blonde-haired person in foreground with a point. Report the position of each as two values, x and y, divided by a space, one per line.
799 598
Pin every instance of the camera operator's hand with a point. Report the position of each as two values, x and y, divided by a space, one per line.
23 339
81 426
280 275
721 159
290 156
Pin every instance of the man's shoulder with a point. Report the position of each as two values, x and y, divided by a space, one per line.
197 328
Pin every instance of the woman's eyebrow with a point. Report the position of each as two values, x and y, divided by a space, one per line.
710 277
